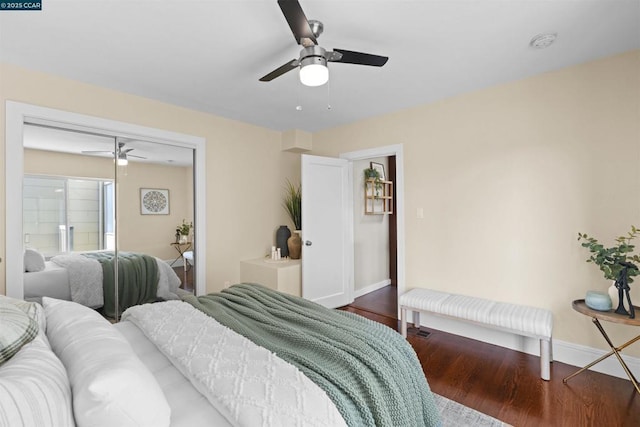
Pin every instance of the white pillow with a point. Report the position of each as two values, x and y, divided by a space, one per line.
33 261
111 386
34 389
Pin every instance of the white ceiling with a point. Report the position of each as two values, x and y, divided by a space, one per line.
208 55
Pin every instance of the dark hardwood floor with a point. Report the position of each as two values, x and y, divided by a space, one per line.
506 384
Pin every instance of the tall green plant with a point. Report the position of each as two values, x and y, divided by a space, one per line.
613 260
293 203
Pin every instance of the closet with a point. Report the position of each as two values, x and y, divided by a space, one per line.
72 192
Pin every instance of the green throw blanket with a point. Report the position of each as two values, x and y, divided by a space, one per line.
368 370
137 279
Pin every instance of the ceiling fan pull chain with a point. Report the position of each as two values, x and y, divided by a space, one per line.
329 94
299 105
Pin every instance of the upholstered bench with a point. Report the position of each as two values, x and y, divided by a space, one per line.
518 319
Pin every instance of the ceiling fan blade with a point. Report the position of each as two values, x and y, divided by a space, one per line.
133 155
280 71
298 22
351 57
127 150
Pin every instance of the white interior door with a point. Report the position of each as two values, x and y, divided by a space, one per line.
327 231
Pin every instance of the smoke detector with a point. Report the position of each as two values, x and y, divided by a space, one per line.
542 41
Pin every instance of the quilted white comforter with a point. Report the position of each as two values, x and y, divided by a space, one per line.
248 384
86 276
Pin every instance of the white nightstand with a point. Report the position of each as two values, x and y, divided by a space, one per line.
283 275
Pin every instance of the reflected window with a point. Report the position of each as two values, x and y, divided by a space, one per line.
64 214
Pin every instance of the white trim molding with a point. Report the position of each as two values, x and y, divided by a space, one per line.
371 288
565 352
18 113
391 150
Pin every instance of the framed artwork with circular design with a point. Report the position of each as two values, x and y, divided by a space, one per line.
154 201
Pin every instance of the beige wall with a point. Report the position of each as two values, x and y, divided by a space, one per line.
508 176
245 166
151 234
370 234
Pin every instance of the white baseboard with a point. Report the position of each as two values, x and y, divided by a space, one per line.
565 352
370 288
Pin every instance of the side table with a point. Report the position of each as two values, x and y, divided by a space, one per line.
283 275
181 248
609 316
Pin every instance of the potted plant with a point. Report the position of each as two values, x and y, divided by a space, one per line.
292 203
183 231
617 263
373 174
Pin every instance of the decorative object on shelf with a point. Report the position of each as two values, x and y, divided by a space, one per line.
618 263
378 167
295 245
613 294
600 301
276 254
373 174
282 235
292 203
183 231
154 201
378 193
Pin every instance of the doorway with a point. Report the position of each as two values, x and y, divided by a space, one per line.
379 295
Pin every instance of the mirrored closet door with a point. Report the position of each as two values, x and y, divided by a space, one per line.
101 210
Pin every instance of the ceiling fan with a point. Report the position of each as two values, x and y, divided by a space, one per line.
122 154
313 58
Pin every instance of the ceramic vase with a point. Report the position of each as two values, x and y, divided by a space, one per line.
295 245
600 301
282 235
613 293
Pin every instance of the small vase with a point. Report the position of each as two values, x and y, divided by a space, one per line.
600 301
282 235
613 293
183 239
295 245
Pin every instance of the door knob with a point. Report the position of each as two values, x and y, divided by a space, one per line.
308 243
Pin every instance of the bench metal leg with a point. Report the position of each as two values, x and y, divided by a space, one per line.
545 359
403 321
416 319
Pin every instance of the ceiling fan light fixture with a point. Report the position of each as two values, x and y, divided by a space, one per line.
122 159
314 71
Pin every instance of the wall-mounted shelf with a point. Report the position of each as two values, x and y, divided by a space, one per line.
378 197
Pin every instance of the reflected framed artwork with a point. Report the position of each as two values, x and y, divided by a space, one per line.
154 201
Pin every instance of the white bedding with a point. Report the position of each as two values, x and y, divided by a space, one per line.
66 283
189 408
247 384
53 282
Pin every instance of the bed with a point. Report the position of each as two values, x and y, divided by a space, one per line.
86 278
172 364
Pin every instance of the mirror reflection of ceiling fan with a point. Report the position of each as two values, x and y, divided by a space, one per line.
122 154
313 58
